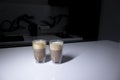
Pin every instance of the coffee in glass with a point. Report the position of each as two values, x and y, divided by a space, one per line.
56 50
39 47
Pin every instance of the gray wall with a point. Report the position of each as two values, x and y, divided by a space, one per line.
13 10
110 20
10 9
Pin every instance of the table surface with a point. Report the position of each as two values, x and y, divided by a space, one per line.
95 60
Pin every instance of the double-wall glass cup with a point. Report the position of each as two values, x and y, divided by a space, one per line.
39 47
56 47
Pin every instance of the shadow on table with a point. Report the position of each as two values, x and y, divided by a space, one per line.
47 58
65 58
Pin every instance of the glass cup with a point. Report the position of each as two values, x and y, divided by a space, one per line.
39 47
56 47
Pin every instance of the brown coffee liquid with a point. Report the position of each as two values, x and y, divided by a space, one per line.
56 55
39 54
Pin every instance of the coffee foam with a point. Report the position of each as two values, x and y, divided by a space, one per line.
39 44
56 45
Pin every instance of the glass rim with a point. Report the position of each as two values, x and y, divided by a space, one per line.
38 40
56 40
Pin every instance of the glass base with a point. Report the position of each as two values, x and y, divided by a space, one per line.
43 61
58 62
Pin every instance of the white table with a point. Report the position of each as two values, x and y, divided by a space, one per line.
97 60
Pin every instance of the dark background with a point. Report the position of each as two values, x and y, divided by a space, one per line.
84 17
92 20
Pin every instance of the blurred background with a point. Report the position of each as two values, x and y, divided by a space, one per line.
25 20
